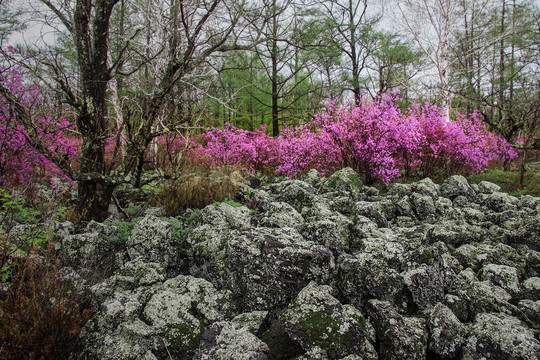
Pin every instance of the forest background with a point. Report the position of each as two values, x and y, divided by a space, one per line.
112 88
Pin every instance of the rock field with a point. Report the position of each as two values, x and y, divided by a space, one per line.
318 268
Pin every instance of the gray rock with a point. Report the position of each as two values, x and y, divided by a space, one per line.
296 193
526 232
487 187
333 232
530 312
344 181
400 190
501 336
151 239
313 177
426 286
268 267
224 216
482 296
399 337
532 263
446 333
363 276
504 276
427 187
252 320
373 211
151 320
531 288
455 233
457 185
90 251
423 205
500 202
231 341
280 215
404 207
317 319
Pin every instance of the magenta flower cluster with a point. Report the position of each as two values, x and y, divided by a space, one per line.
376 138
20 162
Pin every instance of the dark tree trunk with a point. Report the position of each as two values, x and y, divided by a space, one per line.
91 32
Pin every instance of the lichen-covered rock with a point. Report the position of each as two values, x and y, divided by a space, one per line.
443 271
344 180
399 337
404 207
426 286
423 206
281 215
231 341
527 232
252 320
455 232
317 319
487 187
373 211
481 296
500 202
163 318
477 255
91 251
427 187
224 216
446 333
296 193
334 232
531 288
455 186
500 336
151 239
504 276
363 276
530 312
532 263
268 267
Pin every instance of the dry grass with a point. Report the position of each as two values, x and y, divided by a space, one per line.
40 313
197 188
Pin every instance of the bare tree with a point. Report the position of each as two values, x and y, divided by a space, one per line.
160 54
351 24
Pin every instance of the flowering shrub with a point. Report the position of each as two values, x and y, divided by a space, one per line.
19 160
254 150
375 138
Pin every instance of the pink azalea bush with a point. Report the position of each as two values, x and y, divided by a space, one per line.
375 138
20 162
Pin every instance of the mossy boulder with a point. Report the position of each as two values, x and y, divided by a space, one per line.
317 319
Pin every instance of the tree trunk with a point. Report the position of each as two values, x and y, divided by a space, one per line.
91 33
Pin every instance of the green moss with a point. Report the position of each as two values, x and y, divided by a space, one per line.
178 229
184 337
509 181
321 330
193 215
229 202
133 210
427 257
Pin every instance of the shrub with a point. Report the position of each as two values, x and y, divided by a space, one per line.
40 313
375 138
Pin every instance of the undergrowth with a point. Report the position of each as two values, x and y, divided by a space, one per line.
197 188
41 314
